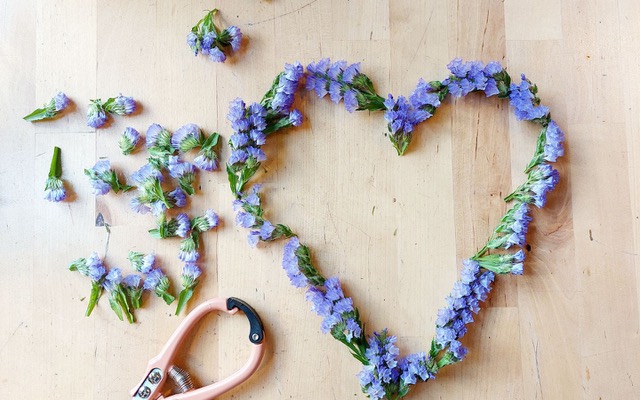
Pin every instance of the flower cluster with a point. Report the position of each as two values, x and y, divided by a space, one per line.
54 187
470 76
403 115
513 227
464 301
343 82
540 181
340 317
103 179
120 105
51 109
124 293
383 375
206 38
524 99
155 280
129 140
249 214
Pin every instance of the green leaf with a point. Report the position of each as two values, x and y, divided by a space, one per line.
233 179
115 306
38 114
183 298
96 292
211 141
167 298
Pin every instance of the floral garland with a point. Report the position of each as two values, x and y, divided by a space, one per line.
384 373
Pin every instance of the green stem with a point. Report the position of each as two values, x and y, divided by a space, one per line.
55 170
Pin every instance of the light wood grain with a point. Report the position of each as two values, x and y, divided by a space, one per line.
394 229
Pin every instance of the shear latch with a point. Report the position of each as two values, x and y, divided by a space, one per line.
256 332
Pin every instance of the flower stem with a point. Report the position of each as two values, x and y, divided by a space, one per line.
55 170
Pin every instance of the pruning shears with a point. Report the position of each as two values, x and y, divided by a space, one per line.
162 367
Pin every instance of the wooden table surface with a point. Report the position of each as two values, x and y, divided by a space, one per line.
395 229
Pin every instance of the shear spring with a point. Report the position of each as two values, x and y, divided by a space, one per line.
181 378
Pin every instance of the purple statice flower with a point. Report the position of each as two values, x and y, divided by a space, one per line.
286 87
205 163
237 112
463 301
524 101
266 230
335 79
158 137
192 41
133 281
256 153
158 208
545 180
206 222
148 263
145 174
245 220
236 37
414 367
183 225
154 279
517 263
178 168
402 117
187 137
383 368
191 272
470 76
98 177
138 206
290 263
553 147
207 42
96 115
177 197
123 105
238 157
54 189
295 118
113 279
423 96
330 304
239 139
60 102
188 250
129 140
217 55
253 238
95 269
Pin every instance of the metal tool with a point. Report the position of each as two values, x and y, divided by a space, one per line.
161 367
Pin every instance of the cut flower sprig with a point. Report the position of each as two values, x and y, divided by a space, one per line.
50 110
206 38
98 112
385 374
54 189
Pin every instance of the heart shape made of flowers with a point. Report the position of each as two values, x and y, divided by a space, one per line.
384 373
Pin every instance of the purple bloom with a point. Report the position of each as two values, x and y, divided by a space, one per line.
129 140
290 263
178 197
154 279
187 137
295 118
98 176
256 153
188 252
351 100
132 281
153 134
252 238
145 173
192 41
113 279
245 219
96 116
266 230
124 105
60 101
522 99
191 271
336 79
216 55
353 329
148 263
423 96
207 41
212 218
178 168
95 269
237 157
205 163
54 189
183 225
553 147
139 207
236 37
239 139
